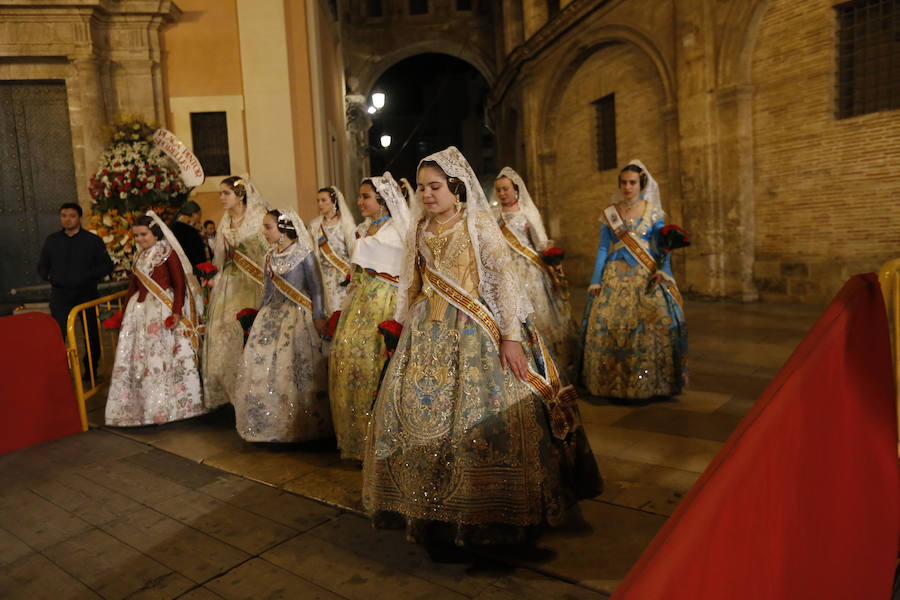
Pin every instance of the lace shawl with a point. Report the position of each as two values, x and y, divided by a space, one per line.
528 209
498 285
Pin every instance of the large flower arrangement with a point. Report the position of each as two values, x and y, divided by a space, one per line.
134 175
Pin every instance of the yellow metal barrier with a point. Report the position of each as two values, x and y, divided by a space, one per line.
889 278
107 302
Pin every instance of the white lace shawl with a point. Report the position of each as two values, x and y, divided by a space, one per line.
348 225
498 285
303 245
528 209
191 283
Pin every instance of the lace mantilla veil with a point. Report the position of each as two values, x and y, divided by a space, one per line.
253 215
348 225
498 284
526 205
389 189
190 280
650 193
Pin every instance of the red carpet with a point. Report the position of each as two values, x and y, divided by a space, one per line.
37 400
803 501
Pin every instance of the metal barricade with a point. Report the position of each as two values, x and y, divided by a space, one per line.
80 313
889 278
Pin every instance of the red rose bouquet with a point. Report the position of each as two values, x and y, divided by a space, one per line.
246 318
113 322
671 237
391 331
332 324
205 271
346 281
170 321
553 258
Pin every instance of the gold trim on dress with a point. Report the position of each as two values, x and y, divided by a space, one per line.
292 293
248 267
193 331
329 253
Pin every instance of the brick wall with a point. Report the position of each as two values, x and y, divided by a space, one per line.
826 190
577 192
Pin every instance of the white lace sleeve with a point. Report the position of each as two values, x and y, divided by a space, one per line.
498 284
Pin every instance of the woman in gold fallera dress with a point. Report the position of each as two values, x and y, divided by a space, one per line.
473 435
634 335
334 232
523 230
357 351
239 254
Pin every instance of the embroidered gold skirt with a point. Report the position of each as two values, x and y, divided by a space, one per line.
355 361
456 439
635 343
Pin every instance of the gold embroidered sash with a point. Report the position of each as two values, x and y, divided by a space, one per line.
559 400
516 244
250 268
329 253
292 293
637 250
192 331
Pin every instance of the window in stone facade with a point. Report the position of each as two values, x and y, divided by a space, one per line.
606 132
463 4
209 133
868 74
418 7
374 9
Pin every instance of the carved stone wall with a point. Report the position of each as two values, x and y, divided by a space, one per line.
106 51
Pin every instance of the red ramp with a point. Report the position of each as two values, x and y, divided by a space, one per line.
37 401
803 501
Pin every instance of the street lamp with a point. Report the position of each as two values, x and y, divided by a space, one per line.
385 141
371 110
378 100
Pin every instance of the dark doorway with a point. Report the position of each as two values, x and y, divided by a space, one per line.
432 101
37 174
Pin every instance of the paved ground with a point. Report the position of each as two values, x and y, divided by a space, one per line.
190 510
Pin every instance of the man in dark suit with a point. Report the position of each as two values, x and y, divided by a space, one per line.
184 227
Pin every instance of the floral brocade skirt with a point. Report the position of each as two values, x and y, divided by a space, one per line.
282 385
154 377
224 343
355 361
457 440
635 343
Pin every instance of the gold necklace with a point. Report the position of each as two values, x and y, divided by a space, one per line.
441 224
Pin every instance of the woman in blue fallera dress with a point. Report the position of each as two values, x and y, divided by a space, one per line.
633 334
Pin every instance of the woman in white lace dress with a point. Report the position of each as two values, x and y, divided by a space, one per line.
333 232
282 386
155 377
523 230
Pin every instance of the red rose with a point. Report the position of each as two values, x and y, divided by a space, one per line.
170 322
114 322
391 331
332 324
246 312
553 256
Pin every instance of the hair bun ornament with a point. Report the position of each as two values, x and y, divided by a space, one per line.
284 222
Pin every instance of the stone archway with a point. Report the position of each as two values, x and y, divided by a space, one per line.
369 73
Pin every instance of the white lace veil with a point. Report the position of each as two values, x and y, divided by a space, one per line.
348 225
190 280
304 241
497 281
650 193
526 205
389 190
253 215
408 189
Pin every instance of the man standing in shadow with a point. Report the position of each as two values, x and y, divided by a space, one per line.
184 227
74 261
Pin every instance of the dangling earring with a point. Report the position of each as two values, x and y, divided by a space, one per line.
458 201
281 239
